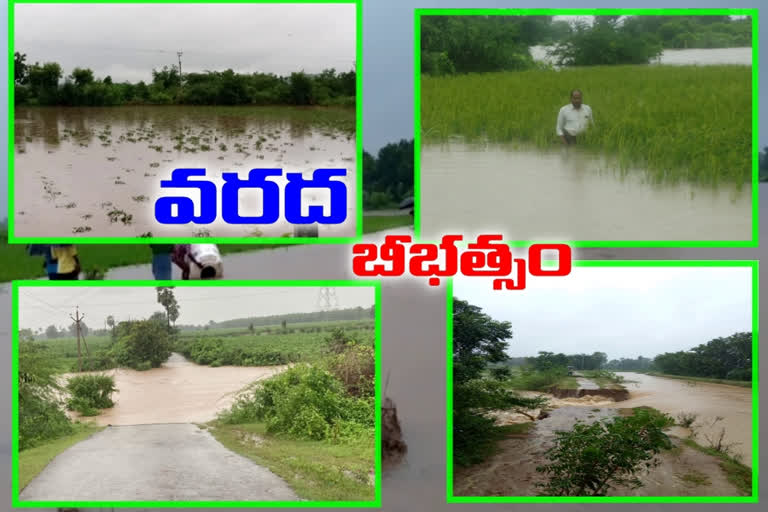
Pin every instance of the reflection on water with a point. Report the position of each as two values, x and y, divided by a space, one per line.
178 392
568 194
74 166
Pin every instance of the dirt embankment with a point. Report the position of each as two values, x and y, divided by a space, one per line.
617 395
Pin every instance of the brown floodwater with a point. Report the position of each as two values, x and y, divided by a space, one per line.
96 171
709 401
568 194
178 392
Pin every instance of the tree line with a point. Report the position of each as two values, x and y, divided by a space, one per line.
546 361
46 84
475 44
727 358
388 176
348 314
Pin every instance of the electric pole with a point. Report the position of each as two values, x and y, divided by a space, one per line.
77 320
179 54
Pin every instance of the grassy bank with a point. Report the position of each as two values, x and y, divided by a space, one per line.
604 379
739 383
654 121
34 460
736 472
16 264
315 470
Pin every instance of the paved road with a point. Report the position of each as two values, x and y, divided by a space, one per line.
170 462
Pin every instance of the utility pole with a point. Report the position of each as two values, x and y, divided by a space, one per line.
77 320
179 54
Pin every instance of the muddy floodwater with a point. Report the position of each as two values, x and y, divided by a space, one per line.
568 194
708 401
178 392
683 471
97 171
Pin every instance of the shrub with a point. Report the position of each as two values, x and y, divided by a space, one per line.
305 402
146 340
89 393
40 414
590 459
356 369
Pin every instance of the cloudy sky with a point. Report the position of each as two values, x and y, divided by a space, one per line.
624 312
127 41
41 307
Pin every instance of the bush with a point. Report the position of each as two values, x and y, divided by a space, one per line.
590 459
41 417
356 369
89 393
304 402
142 341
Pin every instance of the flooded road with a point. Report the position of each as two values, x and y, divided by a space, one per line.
178 392
568 194
96 171
708 401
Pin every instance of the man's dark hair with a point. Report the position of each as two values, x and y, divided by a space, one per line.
208 273
576 90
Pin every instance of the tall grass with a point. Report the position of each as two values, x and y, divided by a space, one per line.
678 122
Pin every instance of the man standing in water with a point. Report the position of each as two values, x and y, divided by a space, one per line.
573 119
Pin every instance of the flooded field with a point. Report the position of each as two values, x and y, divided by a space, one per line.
96 171
568 194
178 392
708 401
512 471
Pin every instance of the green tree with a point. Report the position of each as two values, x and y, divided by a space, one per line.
167 299
477 341
41 416
20 72
592 458
143 342
301 89
82 76
51 332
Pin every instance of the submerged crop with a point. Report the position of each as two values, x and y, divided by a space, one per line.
690 123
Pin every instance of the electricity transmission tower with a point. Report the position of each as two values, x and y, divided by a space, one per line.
327 299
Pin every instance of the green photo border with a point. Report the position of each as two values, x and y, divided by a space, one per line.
754 265
418 13
13 239
15 492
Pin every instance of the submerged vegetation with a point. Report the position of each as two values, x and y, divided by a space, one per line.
653 122
326 408
480 83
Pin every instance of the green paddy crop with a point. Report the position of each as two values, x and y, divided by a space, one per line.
689 123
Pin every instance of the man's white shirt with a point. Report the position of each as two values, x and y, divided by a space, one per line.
572 120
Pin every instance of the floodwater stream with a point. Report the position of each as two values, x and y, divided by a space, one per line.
96 171
512 471
567 194
178 392
709 401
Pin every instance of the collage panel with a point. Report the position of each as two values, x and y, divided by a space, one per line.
604 127
632 381
237 122
206 394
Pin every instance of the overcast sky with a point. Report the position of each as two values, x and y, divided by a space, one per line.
41 307
125 41
622 311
